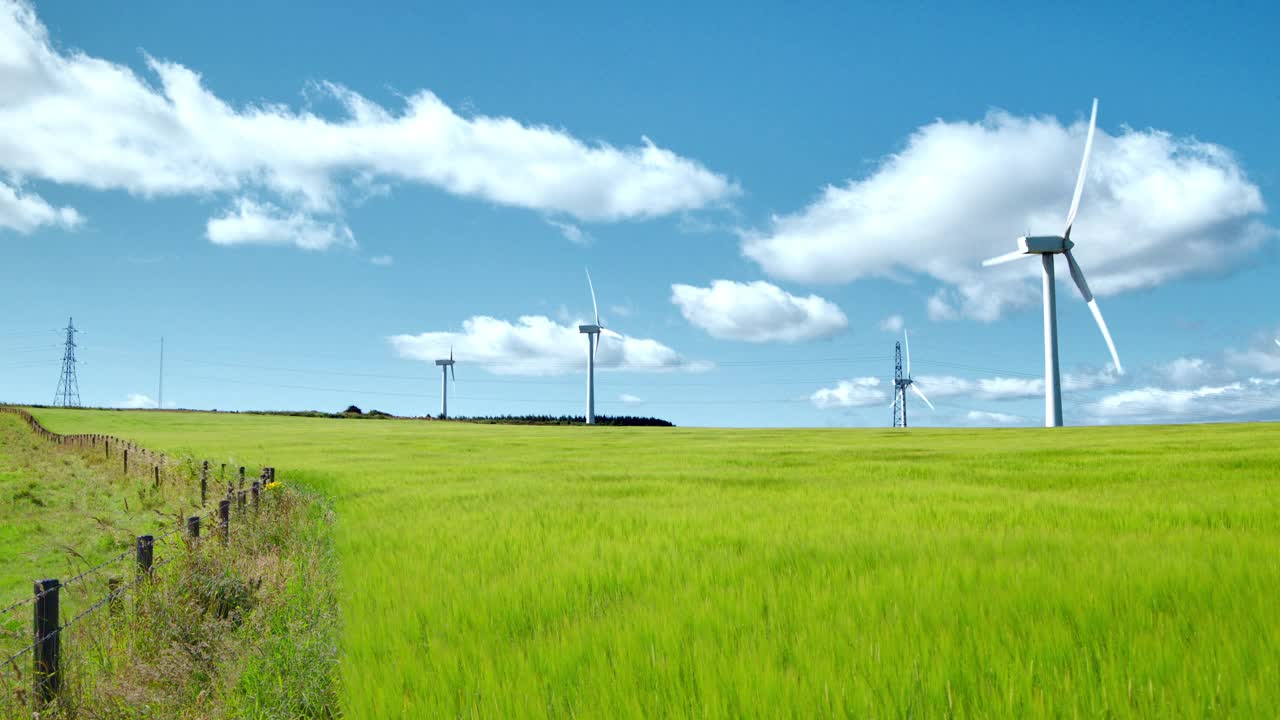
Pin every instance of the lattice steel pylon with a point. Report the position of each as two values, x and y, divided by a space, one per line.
68 394
899 388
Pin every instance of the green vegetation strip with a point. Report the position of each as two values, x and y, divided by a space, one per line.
608 572
242 630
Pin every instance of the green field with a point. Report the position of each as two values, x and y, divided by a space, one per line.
609 572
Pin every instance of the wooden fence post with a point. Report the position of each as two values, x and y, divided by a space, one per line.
224 519
204 483
48 649
146 550
241 477
254 491
155 469
126 460
193 526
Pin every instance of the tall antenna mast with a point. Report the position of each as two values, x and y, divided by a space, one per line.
899 389
160 402
68 394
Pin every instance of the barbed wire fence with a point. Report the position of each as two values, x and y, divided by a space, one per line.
45 605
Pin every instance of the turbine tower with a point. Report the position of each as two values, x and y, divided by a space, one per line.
593 333
446 371
1047 247
901 383
68 394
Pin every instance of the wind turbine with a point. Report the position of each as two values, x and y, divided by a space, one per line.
446 371
901 383
593 333
1047 246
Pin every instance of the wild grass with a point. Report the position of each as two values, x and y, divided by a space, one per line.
609 572
64 512
245 629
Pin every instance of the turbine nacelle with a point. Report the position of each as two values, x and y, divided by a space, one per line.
1044 245
589 329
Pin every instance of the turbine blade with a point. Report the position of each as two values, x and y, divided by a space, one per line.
452 374
597 342
594 308
1106 334
1078 275
610 333
1278 341
922 397
1084 169
894 401
906 346
450 352
1002 259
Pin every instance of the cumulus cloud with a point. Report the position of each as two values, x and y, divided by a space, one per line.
1010 388
537 345
981 417
1186 371
757 312
629 399
138 401
383 260
70 118
1254 398
1156 207
892 324
858 392
25 212
253 223
1262 356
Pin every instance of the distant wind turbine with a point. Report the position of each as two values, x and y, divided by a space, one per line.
593 333
446 372
1047 246
901 383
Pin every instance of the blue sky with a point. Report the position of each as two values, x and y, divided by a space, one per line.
309 203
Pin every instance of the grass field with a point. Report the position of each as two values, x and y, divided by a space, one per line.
609 572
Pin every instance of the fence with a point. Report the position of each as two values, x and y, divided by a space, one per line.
46 604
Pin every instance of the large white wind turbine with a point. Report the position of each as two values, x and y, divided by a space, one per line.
446 371
902 382
593 333
1047 246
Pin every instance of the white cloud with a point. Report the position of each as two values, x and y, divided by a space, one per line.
892 324
383 260
1156 207
981 417
1263 356
625 311
253 223
138 401
858 392
70 118
757 312
537 345
1254 398
629 399
25 212
571 232
1187 371
1010 388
